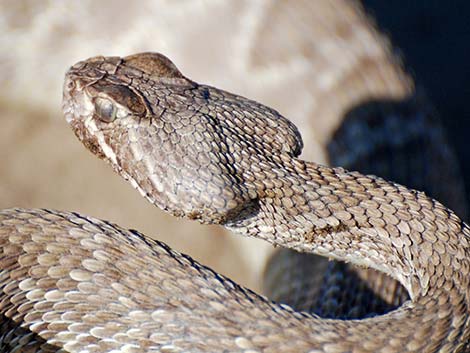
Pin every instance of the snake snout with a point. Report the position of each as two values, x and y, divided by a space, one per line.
67 106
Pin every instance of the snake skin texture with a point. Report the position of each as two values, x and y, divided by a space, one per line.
73 283
401 141
310 60
205 154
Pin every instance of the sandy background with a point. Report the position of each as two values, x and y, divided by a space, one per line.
275 52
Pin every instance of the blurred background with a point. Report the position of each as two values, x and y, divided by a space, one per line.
299 57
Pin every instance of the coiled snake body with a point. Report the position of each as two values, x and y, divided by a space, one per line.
82 285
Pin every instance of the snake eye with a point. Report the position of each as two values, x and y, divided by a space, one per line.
105 109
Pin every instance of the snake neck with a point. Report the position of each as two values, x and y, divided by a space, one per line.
360 219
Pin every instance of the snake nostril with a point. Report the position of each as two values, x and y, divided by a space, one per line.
69 85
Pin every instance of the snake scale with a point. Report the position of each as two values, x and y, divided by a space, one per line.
398 140
78 284
71 283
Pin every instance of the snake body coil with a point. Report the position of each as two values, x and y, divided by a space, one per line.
78 284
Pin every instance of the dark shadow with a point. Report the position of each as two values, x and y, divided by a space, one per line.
329 289
12 336
434 37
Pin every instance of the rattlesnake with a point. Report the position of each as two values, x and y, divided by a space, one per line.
206 154
251 192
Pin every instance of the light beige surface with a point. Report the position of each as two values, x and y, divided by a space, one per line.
298 57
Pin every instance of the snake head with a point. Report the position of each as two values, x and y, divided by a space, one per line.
140 114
